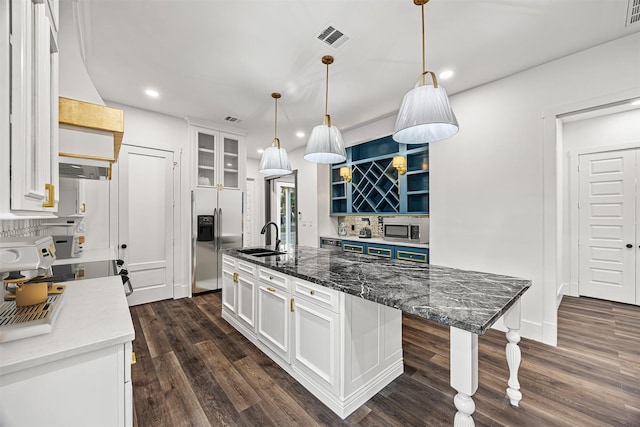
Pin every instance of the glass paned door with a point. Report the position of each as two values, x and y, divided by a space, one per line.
206 159
286 212
230 166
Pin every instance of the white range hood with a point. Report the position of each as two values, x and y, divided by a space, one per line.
90 137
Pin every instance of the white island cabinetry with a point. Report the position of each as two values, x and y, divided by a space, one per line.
341 348
80 372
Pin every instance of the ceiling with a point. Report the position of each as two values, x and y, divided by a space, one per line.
218 58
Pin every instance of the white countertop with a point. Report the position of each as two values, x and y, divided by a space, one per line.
89 255
95 315
375 240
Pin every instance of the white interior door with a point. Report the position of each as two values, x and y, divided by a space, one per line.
146 224
608 212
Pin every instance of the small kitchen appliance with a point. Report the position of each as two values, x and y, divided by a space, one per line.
411 229
365 233
25 263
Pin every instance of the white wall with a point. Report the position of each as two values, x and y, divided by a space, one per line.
606 132
252 166
311 196
489 193
307 197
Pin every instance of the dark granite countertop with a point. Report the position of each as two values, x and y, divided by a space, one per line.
465 299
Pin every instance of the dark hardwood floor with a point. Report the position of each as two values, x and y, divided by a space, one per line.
193 369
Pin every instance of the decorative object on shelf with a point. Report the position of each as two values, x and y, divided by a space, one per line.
425 114
400 163
275 160
345 172
325 144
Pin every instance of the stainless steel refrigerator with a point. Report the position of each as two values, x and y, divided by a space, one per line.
217 224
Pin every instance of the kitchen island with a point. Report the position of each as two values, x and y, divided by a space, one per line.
468 301
80 372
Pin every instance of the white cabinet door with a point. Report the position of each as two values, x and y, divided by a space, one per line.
229 283
274 318
85 389
220 155
230 158
316 343
246 300
34 143
72 197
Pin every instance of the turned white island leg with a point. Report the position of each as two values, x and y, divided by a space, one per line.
464 374
512 322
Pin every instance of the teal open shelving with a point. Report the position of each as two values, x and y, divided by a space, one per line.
376 187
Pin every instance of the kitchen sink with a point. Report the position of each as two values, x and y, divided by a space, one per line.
260 252
252 251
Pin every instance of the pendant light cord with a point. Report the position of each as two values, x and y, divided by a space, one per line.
275 127
424 67
326 94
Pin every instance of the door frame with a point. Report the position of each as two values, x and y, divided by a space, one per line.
267 201
574 214
554 256
179 286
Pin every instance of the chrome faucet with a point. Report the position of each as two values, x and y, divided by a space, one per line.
264 230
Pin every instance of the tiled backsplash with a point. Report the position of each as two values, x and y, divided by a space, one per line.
356 223
23 227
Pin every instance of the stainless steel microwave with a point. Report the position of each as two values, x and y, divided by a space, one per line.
405 231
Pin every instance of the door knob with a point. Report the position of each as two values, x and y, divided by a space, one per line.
629 245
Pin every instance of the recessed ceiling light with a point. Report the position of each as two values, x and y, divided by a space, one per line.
636 102
152 93
446 74
300 134
260 150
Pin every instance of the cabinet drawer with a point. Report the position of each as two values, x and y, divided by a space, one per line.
323 296
246 267
409 255
228 262
384 252
274 279
353 247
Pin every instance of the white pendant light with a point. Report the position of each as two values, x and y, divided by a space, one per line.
325 144
425 114
275 160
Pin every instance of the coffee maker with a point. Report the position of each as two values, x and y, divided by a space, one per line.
22 261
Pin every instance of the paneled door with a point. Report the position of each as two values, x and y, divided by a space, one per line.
609 241
146 221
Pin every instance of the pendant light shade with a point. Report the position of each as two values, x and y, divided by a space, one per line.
275 160
325 144
425 114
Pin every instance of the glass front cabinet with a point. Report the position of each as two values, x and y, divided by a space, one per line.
219 155
381 177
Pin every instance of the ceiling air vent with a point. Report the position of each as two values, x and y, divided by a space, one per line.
333 37
633 12
231 119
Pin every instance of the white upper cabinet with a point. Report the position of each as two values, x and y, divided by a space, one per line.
29 62
219 155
